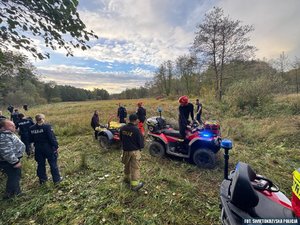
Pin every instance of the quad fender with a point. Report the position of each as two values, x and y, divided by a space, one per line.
160 137
194 141
107 133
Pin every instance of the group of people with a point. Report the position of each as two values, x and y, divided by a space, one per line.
132 135
12 149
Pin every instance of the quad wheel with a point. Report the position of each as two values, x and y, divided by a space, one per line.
104 142
204 158
156 149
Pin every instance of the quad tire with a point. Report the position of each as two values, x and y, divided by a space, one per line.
156 149
204 158
104 142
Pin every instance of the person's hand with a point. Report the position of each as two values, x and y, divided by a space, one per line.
18 165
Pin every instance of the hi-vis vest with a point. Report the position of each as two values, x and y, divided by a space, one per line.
296 183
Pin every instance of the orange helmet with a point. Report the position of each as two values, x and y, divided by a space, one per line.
183 100
140 104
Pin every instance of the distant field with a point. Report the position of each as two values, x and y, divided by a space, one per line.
176 192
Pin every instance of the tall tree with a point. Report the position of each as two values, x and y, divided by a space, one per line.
220 40
55 21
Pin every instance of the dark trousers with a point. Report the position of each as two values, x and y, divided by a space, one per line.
198 118
182 129
96 134
13 179
41 154
122 120
26 142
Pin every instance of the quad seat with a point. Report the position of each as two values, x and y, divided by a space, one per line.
171 132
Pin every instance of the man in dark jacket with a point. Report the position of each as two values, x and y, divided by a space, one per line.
46 147
10 109
11 151
141 114
132 143
186 110
95 123
122 113
24 125
15 116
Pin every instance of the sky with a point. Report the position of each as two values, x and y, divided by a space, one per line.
135 36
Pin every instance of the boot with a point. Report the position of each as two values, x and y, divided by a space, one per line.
135 185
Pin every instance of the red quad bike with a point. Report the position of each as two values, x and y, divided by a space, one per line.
200 147
249 198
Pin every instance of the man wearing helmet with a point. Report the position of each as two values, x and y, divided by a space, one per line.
185 110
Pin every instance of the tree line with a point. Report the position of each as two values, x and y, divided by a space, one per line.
20 84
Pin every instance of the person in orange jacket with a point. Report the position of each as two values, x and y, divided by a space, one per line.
141 114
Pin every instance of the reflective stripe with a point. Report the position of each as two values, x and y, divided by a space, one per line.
134 182
296 183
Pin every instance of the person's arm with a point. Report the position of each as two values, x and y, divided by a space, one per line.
51 137
6 152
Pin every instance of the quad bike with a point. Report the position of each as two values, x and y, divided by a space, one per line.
250 198
200 146
109 134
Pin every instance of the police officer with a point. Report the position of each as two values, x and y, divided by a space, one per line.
186 110
10 108
46 147
132 143
11 152
95 123
15 116
23 125
122 113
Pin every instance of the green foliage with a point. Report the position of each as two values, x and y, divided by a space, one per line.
248 95
57 21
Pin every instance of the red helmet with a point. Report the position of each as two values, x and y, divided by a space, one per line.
140 104
183 100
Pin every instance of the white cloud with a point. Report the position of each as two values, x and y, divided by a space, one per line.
88 78
275 22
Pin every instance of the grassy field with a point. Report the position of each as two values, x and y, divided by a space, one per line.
176 192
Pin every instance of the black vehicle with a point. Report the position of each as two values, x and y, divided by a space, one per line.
246 196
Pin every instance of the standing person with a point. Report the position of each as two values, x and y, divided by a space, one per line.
46 147
141 114
24 125
132 143
15 116
10 109
1 116
122 113
11 152
185 110
95 123
25 107
198 111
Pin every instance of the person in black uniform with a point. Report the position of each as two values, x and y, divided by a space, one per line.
186 110
122 113
95 123
141 114
10 109
132 143
15 116
24 125
46 147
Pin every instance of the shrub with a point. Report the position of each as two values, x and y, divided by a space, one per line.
249 95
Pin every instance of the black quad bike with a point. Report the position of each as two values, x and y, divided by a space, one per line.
200 145
250 198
